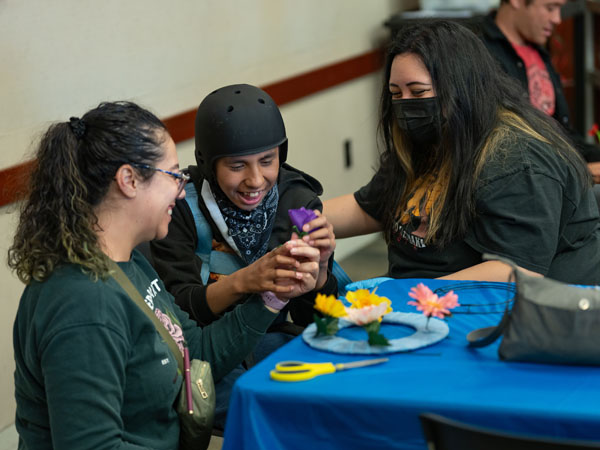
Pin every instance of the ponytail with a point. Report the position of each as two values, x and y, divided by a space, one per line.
75 164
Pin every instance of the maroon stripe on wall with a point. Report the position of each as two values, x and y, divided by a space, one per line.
13 180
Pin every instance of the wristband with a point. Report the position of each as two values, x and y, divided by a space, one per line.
272 301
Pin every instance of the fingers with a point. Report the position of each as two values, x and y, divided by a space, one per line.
298 287
322 237
290 269
305 252
297 274
318 228
320 221
308 268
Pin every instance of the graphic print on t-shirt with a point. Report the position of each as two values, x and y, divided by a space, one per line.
167 318
541 91
412 225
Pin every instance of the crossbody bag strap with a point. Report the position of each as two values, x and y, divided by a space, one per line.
482 337
124 281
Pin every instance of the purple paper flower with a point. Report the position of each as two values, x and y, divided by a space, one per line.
301 216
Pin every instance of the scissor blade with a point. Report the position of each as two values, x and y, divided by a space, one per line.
363 363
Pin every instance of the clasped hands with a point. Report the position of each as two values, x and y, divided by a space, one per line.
298 266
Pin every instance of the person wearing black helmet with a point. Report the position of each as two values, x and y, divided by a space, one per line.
225 239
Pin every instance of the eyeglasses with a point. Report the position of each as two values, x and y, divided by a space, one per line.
182 177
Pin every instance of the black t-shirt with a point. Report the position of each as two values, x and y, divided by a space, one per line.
530 207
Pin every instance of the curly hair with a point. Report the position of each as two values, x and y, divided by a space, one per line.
76 162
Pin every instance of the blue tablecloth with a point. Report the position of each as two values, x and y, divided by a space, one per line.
378 406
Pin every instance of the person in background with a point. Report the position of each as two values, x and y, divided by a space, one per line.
517 35
221 242
470 167
91 369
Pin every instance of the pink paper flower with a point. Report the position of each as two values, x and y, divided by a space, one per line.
367 314
430 304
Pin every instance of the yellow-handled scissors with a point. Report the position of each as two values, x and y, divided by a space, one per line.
300 371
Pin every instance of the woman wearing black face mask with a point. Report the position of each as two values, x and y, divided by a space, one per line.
469 167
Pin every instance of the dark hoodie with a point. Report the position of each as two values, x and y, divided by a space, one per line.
179 267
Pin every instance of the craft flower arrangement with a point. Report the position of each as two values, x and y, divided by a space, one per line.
432 305
366 310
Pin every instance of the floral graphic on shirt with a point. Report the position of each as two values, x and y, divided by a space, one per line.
172 327
541 90
413 223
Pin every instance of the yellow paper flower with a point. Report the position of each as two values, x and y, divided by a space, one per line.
362 298
329 305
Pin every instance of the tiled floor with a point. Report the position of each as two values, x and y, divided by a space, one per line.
368 262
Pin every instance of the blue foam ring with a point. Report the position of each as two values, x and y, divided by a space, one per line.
422 337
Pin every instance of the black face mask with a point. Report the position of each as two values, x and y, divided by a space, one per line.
420 118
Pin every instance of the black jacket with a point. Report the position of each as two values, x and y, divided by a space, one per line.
502 50
179 267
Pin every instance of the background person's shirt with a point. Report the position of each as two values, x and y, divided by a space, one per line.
541 91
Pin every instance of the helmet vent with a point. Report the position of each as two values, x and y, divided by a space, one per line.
229 108
260 100
238 92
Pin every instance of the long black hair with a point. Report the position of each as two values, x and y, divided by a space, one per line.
476 98
76 162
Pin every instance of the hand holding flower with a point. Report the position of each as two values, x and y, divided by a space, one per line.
306 269
299 217
314 229
283 271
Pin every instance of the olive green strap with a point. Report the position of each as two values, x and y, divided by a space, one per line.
121 278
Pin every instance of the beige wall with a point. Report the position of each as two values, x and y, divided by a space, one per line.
60 58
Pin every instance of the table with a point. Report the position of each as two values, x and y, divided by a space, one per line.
378 406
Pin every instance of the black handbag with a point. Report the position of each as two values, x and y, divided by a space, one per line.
550 322
195 427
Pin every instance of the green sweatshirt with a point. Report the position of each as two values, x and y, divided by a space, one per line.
92 372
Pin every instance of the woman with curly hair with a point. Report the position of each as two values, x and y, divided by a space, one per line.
470 167
91 369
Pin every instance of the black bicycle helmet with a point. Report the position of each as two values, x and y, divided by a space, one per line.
237 120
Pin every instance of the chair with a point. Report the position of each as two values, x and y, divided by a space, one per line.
342 277
445 434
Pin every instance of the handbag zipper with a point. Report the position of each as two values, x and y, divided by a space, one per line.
200 385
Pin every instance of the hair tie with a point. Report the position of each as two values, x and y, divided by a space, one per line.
77 126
